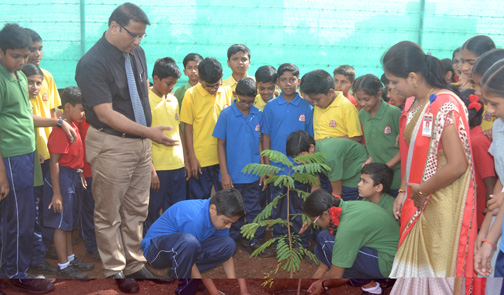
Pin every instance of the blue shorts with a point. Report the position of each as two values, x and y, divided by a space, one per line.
70 187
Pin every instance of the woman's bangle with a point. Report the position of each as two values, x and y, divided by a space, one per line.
487 241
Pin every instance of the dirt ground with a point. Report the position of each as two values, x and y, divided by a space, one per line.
254 270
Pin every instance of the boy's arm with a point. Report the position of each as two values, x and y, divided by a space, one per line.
229 268
4 181
187 163
40 121
394 161
155 184
335 272
489 185
195 165
57 199
337 188
226 181
266 145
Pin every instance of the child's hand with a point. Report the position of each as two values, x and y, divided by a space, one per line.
195 168
262 182
155 184
397 141
488 133
304 227
495 202
4 185
187 169
398 204
368 161
57 204
41 159
483 258
83 180
227 182
69 131
316 288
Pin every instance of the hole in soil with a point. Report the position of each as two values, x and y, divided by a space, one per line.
290 292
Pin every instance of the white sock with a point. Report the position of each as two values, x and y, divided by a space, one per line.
71 258
373 290
62 266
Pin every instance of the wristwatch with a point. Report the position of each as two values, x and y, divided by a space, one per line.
60 122
325 288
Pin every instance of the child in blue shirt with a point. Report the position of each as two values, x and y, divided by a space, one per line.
238 144
283 115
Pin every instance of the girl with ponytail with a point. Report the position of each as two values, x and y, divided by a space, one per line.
439 185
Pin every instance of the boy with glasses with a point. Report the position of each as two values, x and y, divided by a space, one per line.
201 106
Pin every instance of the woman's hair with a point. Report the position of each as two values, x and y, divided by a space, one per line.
475 116
406 57
492 80
319 201
369 83
478 45
447 67
485 61
30 69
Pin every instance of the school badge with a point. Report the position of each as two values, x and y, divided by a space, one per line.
44 97
387 130
332 123
302 118
257 128
487 116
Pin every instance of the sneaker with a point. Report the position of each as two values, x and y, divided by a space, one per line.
71 272
81 265
94 254
39 286
43 268
245 245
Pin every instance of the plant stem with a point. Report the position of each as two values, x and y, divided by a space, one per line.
299 287
289 234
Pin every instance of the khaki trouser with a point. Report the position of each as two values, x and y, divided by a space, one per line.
121 181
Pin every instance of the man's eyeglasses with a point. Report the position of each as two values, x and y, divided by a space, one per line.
134 35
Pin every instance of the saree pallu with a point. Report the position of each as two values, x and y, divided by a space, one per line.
438 239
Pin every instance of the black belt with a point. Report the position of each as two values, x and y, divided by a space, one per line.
118 133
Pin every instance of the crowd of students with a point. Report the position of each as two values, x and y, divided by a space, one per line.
420 146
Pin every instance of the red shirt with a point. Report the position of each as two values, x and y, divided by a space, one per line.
72 155
352 100
83 128
483 168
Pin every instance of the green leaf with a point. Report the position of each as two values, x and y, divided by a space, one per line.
276 156
311 158
261 169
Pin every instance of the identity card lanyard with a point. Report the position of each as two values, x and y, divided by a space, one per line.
428 119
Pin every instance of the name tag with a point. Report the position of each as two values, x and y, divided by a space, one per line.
427 125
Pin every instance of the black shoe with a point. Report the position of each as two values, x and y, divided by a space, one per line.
81 265
71 272
143 273
127 285
51 253
118 275
32 286
43 268
94 254
245 244
162 281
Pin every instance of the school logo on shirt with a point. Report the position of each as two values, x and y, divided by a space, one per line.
487 116
176 116
44 97
257 128
387 130
302 118
332 123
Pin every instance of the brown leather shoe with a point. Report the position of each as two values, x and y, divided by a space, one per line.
33 286
127 285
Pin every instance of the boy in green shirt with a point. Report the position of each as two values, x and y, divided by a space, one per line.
376 179
191 62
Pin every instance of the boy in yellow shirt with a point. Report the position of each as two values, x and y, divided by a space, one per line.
168 172
266 79
239 62
333 114
201 108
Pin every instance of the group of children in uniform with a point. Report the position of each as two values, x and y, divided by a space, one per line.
222 126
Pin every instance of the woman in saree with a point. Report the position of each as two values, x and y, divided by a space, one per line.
438 230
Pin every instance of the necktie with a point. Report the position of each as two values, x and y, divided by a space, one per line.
135 98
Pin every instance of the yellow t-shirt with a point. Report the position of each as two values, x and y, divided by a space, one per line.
47 99
488 119
201 110
165 112
340 118
259 102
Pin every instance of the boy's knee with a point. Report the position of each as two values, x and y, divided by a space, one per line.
229 246
188 242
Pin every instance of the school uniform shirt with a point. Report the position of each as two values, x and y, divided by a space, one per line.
180 92
72 155
364 224
47 99
338 119
483 167
231 82
260 103
83 129
241 134
381 132
165 112
189 216
17 131
345 158
201 110
352 100
488 119
386 202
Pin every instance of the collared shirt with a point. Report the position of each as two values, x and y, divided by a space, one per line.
190 216
72 155
281 118
201 110
180 92
338 119
17 132
241 134
387 203
345 158
381 132
101 76
231 82
165 112
47 99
